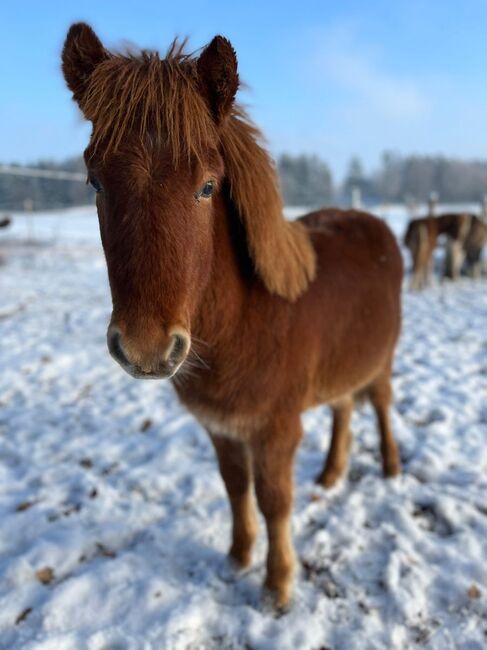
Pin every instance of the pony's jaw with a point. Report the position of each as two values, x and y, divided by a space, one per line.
163 362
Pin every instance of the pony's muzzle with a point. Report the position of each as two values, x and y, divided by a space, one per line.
159 360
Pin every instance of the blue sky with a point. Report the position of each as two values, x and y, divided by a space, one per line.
332 78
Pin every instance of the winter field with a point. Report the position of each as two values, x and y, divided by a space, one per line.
114 521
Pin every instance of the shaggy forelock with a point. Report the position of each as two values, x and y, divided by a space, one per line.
133 94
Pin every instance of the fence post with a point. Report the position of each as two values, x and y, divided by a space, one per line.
484 208
28 208
433 204
356 198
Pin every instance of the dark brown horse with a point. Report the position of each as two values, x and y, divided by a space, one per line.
254 318
456 227
473 245
421 238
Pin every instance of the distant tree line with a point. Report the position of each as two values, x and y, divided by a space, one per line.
306 180
415 177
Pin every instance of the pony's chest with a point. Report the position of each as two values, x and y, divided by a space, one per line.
218 422
226 407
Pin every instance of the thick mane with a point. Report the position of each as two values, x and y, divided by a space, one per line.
130 93
282 252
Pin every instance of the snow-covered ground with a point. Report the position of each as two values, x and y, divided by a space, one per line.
114 522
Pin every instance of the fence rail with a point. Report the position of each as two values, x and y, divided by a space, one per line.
42 173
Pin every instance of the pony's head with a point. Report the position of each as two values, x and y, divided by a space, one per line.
165 134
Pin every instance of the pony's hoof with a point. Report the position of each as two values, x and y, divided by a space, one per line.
392 469
276 601
239 559
328 479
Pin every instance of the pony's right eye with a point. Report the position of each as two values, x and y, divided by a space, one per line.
95 184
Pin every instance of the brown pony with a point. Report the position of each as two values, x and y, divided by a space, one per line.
254 318
421 238
456 227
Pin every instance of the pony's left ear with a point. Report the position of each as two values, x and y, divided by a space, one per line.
82 52
218 77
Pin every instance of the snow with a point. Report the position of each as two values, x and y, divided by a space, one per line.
112 485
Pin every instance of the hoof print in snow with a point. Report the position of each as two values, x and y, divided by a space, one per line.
421 635
72 508
431 520
356 473
110 469
322 579
435 415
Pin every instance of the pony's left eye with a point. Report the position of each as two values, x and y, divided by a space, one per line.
207 190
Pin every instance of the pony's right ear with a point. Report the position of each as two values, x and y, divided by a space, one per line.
82 52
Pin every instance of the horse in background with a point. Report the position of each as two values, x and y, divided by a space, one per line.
475 241
465 238
253 318
456 227
420 238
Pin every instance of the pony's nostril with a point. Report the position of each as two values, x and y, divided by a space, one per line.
115 346
177 349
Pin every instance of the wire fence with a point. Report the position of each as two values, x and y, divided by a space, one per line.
32 172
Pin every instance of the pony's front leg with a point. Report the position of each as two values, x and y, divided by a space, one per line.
234 462
272 459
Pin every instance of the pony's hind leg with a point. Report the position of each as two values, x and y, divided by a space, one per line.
234 461
380 394
337 459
